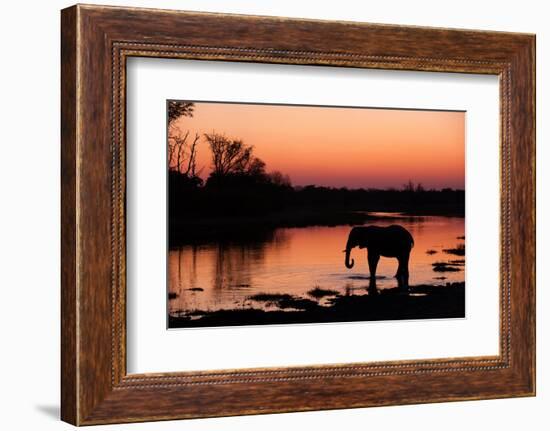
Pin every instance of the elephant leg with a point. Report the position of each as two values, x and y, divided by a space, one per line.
403 272
373 259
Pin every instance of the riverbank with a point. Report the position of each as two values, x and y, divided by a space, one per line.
421 302
185 231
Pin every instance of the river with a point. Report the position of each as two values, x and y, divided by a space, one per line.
296 260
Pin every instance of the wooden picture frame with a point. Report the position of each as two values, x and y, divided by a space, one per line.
95 43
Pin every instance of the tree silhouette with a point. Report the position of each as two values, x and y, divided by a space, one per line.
232 156
182 152
179 109
279 179
408 187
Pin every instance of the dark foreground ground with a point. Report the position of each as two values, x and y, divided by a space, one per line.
422 302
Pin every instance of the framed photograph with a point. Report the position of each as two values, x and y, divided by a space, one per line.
265 215
255 231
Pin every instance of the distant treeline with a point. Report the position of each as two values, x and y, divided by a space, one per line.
238 195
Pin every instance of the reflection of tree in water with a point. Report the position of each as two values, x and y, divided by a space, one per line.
184 269
235 263
179 268
193 268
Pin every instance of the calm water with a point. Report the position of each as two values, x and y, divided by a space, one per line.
296 260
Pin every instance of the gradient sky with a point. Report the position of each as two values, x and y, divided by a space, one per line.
341 147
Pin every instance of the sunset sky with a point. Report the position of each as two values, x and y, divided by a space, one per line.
341 147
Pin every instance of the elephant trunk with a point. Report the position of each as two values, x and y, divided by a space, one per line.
349 264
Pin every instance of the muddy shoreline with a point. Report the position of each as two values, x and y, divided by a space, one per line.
421 302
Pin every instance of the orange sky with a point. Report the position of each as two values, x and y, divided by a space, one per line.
341 147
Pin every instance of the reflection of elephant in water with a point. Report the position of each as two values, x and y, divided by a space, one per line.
392 241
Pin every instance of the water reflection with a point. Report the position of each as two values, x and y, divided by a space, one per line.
296 260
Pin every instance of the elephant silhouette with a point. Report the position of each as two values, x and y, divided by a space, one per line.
390 241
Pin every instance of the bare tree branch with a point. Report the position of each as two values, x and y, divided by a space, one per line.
232 156
192 159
